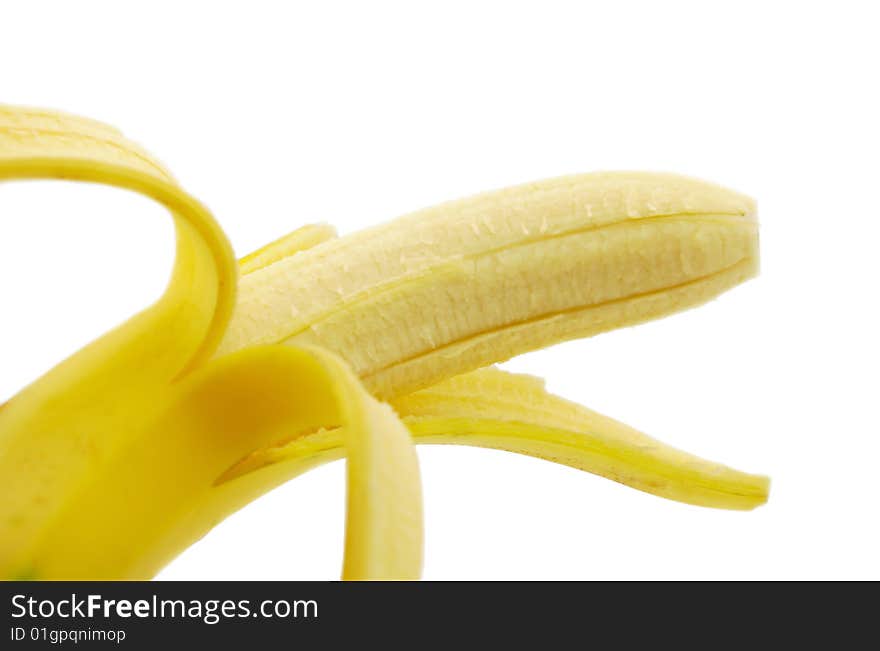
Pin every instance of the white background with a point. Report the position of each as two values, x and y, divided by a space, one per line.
279 114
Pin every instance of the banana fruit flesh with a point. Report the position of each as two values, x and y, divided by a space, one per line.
480 280
191 409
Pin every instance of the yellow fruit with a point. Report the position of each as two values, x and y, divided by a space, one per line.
133 448
476 281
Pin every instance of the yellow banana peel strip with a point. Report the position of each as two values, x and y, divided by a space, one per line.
161 428
301 239
107 453
494 409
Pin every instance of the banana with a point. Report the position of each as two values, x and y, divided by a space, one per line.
189 410
476 281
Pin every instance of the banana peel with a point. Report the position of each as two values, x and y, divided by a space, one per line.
244 375
106 453
494 409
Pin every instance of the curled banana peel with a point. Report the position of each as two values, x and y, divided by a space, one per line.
114 448
136 446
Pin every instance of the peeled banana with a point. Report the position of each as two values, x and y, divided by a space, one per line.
245 375
476 281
